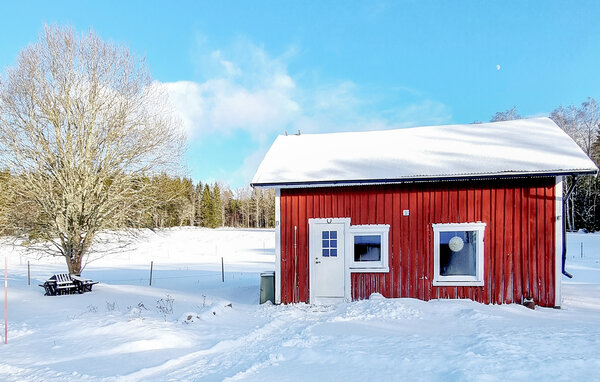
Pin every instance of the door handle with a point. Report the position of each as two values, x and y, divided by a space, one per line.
317 261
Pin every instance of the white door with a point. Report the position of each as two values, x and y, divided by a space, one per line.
327 261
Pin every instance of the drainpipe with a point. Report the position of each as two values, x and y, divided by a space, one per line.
564 226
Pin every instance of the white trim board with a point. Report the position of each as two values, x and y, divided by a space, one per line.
558 242
277 246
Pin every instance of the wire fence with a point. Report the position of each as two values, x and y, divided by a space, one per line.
156 274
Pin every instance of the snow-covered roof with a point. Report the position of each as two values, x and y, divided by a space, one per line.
535 146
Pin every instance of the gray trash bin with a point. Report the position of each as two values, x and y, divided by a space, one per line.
267 287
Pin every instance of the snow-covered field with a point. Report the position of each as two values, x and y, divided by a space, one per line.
189 325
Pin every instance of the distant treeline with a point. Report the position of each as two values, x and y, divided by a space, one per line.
169 201
209 205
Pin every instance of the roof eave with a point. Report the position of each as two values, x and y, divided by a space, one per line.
370 182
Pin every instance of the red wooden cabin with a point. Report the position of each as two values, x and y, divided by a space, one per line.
459 211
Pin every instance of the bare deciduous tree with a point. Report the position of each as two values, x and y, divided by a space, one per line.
81 127
583 125
507 115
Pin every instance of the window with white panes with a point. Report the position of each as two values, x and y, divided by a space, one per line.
329 244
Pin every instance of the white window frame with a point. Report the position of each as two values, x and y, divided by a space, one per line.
458 280
381 266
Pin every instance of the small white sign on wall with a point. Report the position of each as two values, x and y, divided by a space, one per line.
405 212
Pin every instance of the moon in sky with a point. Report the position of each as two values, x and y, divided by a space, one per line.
497 67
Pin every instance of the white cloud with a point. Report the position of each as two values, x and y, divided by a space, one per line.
253 92
256 95
230 68
221 106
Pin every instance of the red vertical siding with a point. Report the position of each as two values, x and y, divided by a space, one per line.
518 256
498 284
518 247
486 216
509 249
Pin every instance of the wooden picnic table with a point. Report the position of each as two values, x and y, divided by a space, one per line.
63 283
83 285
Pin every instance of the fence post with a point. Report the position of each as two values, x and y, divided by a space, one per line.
151 266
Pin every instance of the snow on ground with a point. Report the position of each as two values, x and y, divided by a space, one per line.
189 325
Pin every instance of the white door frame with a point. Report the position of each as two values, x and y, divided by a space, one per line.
311 260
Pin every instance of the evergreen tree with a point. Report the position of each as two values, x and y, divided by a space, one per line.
217 218
206 208
197 204
189 205
228 208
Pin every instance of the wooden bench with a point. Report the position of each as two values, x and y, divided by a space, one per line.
83 285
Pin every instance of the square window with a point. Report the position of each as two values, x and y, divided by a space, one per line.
325 234
458 254
325 252
333 234
333 243
333 252
367 248
325 243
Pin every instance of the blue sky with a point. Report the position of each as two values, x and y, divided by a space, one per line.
241 72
